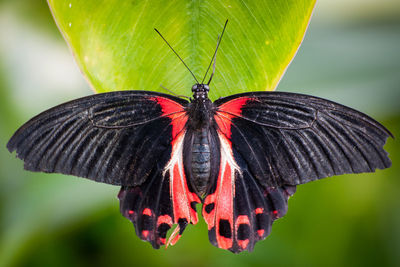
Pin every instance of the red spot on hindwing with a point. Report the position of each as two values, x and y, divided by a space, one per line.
242 219
243 243
164 219
260 232
145 233
259 210
147 212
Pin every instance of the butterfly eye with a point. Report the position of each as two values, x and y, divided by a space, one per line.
206 87
194 87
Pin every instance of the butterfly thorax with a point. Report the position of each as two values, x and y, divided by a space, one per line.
200 107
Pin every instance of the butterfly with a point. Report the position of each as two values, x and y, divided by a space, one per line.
241 156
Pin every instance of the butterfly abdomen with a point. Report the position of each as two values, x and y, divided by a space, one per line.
200 163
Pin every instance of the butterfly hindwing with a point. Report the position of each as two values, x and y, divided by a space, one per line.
239 211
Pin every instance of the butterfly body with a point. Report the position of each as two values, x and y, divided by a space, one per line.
198 156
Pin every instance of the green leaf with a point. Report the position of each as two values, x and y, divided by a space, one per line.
117 49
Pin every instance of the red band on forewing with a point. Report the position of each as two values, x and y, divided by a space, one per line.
224 123
227 111
235 105
174 111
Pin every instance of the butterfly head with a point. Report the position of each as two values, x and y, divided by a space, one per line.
200 91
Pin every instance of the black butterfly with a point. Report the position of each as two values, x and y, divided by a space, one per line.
240 156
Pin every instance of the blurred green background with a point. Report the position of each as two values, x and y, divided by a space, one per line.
351 54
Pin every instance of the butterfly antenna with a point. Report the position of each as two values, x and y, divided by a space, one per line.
214 56
176 54
212 74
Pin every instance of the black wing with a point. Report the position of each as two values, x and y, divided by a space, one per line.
113 138
291 139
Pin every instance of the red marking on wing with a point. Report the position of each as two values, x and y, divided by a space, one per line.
145 233
259 210
227 111
260 232
242 219
164 219
147 211
223 196
175 111
224 123
182 197
243 243
180 194
225 206
235 105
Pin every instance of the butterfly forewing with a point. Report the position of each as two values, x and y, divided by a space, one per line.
290 139
101 137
